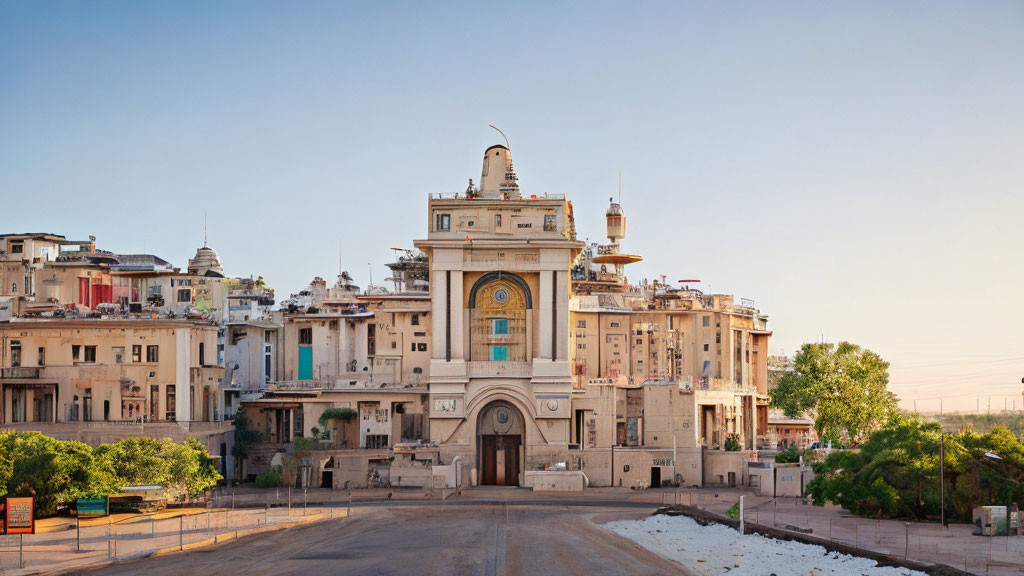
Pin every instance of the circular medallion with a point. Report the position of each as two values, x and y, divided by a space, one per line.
552 405
500 296
502 420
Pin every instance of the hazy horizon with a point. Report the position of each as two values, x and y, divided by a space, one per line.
855 169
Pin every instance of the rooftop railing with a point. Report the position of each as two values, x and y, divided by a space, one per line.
464 196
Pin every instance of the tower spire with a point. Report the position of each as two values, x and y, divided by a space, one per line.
204 229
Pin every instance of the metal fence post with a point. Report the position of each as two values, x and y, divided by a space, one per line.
21 551
78 533
906 542
741 515
181 532
303 501
289 501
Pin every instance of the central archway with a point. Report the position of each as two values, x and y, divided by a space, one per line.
500 431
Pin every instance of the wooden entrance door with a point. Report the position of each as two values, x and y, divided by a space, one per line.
500 460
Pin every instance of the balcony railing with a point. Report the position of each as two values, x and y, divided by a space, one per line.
499 370
20 372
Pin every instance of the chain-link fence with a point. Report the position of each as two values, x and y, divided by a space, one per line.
80 543
926 542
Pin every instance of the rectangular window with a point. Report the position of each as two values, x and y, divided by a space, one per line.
118 354
152 353
76 352
614 324
705 347
413 349
184 296
499 326
170 402
266 337
706 321
581 323
41 359
499 353
90 354
443 223
497 221
17 248
415 319
136 353
371 339
422 346
549 223
15 353
305 336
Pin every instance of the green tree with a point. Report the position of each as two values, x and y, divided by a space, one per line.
53 471
191 468
844 385
245 438
138 461
182 469
6 471
896 472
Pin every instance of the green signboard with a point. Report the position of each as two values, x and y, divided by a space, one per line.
92 508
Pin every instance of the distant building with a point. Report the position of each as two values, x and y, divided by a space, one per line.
509 347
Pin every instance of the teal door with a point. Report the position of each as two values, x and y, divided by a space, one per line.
305 362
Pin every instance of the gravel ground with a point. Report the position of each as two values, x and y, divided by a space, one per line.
716 549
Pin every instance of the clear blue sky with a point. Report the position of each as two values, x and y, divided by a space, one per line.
856 168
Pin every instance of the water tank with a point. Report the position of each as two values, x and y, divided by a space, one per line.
616 223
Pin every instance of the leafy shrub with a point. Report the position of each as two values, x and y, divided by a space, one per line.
790 455
732 443
734 512
336 414
269 479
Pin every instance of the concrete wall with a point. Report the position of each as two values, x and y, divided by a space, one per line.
719 464
791 480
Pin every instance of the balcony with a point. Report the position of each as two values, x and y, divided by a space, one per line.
499 370
20 372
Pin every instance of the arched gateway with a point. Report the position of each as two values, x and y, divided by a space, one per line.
500 433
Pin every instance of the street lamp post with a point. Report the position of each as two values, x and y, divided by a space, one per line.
942 481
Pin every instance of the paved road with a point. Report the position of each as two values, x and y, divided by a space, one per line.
484 539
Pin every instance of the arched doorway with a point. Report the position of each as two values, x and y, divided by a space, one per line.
499 432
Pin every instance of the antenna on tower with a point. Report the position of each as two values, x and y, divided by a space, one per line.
507 145
204 229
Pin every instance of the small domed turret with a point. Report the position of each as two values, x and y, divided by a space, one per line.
206 263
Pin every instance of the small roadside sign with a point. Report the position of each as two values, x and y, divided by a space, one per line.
92 508
19 516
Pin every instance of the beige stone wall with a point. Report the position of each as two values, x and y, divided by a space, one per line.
632 466
718 465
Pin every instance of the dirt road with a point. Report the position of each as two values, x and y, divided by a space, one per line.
485 539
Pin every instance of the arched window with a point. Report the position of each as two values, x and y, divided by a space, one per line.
498 320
